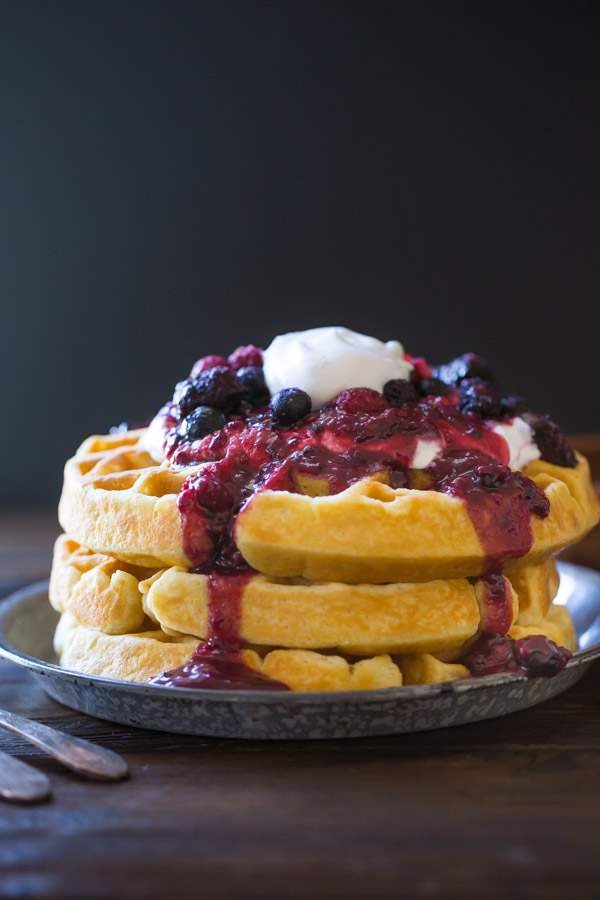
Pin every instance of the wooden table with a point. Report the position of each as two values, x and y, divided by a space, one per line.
505 808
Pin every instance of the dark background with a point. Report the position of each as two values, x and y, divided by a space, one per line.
182 177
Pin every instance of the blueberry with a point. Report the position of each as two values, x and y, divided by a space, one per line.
479 398
290 405
252 379
469 365
201 421
553 445
434 386
514 405
398 391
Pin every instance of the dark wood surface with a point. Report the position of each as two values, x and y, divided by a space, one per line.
508 807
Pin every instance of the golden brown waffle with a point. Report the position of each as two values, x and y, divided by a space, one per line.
375 534
364 620
142 656
98 590
117 501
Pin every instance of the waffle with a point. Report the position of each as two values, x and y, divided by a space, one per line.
105 594
118 501
144 655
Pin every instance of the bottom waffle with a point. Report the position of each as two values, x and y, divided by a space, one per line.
144 655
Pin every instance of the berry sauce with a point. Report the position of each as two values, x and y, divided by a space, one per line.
497 609
217 663
534 655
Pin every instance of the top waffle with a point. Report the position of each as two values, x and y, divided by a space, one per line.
117 500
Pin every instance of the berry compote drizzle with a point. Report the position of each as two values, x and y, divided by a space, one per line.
355 436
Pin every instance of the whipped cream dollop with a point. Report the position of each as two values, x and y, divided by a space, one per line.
325 361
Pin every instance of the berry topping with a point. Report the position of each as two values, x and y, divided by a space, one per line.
252 379
201 421
469 365
186 397
360 400
246 356
514 405
290 405
490 654
398 391
435 386
420 367
207 362
554 447
479 398
538 655
218 387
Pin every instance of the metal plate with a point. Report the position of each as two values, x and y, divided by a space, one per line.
27 623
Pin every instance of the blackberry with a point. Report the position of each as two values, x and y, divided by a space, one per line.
553 445
218 387
469 365
252 379
201 421
480 398
435 386
290 405
398 391
186 397
514 405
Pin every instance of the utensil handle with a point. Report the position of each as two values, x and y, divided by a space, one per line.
79 755
20 782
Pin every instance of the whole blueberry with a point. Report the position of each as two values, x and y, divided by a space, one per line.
469 365
252 379
290 405
435 386
201 421
218 387
398 391
480 398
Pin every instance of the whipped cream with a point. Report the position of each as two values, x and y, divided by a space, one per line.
325 361
519 437
153 439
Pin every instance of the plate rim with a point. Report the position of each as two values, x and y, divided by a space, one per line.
13 601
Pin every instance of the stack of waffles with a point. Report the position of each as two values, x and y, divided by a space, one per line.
374 586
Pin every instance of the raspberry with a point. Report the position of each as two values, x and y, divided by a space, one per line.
361 400
246 356
207 362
